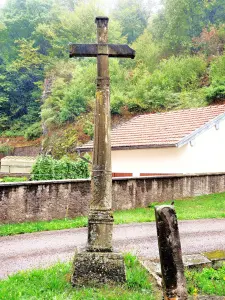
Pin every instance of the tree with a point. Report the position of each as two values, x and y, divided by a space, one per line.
4 101
181 20
132 17
214 12
177 23
147 51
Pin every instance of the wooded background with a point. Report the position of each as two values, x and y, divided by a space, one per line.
180 63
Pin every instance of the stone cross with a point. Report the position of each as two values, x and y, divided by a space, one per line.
100 220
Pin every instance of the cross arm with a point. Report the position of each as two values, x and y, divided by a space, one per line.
92 50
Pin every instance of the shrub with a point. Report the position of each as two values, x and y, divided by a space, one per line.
47 168
178 73
43 168
33 132
215 91
173 84
12 133
72 89
217 77
6 149
217 69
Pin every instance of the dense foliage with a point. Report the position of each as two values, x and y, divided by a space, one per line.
47 168
5 149
180 61
33 132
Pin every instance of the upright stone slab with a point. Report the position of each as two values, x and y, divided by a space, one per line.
174 283
98 264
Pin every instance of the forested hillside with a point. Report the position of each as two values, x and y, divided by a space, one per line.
180 63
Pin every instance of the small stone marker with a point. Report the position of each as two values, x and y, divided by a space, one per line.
196 261
98 264
174 283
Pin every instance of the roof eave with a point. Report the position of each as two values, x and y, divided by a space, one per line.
133 147
200 130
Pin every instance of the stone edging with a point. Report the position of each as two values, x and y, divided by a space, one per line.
206 259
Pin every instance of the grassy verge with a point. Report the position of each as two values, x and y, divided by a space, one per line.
208 282
28 227
54 283
13 179
201 207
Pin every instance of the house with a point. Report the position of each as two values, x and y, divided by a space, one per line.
175 142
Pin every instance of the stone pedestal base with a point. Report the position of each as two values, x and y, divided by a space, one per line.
100 227
96 268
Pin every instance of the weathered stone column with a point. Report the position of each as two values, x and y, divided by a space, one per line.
100 223
98 264
172 267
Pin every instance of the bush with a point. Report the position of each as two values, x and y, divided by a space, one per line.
171 85
47 168
12 133
43 168
179 73
216 90
217 69
72 89
6 149
33 132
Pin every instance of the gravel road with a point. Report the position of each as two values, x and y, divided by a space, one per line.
42 249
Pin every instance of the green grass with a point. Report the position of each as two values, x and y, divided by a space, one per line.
201 207
54 283
28 227
207 282
13 179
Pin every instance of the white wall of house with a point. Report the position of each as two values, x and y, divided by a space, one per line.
17 164
205 156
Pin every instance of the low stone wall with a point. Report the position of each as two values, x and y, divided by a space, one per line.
46 200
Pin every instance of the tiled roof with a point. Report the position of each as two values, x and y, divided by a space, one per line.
169 129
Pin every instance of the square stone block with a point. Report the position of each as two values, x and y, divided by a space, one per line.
97 268
196 260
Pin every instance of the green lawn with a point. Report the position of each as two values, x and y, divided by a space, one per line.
201 207
207 282
13 179
54 283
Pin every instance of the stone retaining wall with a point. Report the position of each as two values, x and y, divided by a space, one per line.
27 151
46 200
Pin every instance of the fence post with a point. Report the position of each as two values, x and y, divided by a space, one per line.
174 283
